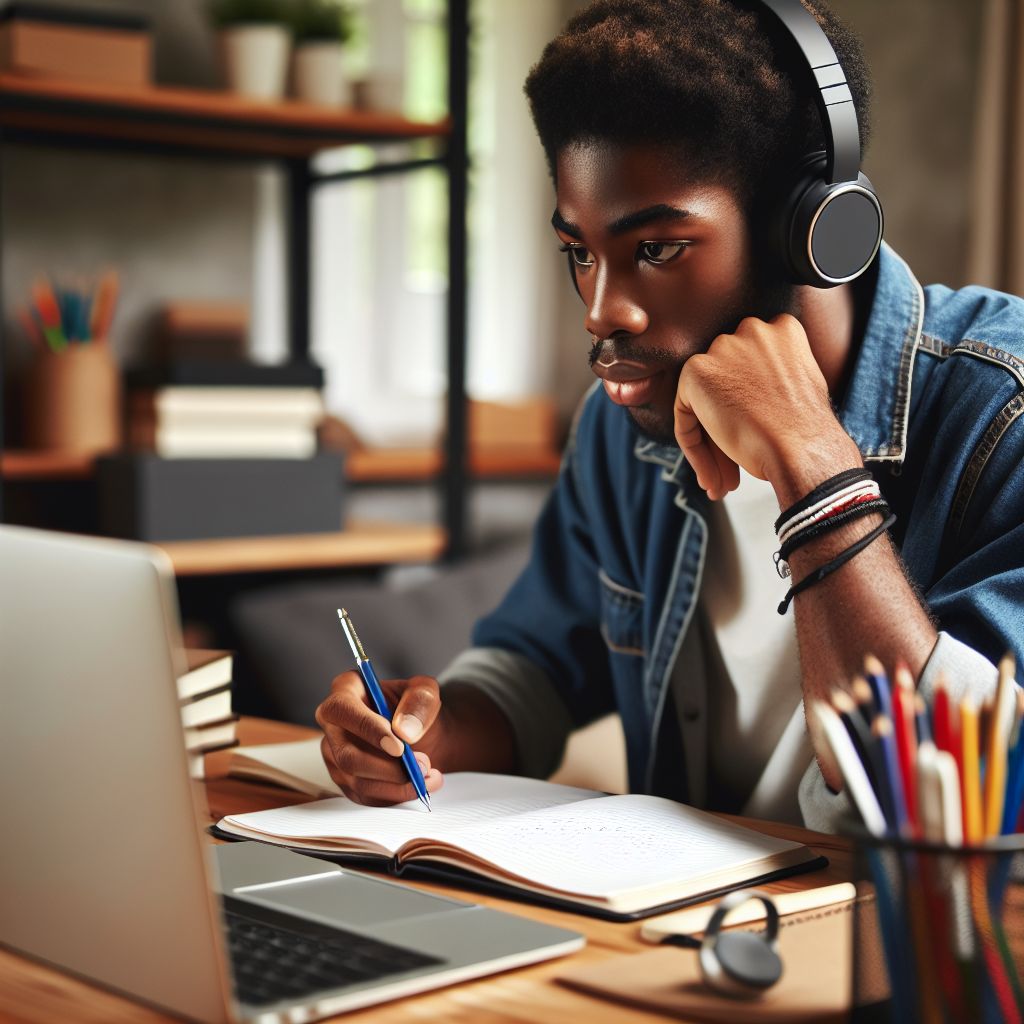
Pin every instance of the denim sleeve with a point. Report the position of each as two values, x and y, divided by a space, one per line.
551 617
976 595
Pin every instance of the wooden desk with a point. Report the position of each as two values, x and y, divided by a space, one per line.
34 994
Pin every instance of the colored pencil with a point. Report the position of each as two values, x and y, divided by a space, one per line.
874 671
860 690
868 751
882 731
906 742
851 767
997 747
970 782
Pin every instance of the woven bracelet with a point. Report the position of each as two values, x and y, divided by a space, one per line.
833 522
841 559
865 490
823 490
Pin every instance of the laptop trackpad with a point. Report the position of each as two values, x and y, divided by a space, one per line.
348 899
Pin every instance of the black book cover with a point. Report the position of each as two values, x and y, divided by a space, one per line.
197 373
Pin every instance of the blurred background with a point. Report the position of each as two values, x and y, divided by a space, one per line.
228 321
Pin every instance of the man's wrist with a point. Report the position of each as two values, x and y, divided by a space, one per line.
475 733
801 468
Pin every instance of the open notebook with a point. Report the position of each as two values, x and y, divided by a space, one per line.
617 856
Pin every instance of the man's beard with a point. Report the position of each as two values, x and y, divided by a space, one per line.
762 301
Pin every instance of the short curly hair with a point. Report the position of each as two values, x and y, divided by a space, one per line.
711 79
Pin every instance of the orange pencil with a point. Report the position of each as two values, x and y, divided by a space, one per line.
103 306
970 783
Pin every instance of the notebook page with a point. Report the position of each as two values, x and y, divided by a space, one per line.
603 847
300 761
465 801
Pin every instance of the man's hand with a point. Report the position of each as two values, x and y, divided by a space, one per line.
362 750
757 399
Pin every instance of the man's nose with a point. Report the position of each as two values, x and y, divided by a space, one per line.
612 310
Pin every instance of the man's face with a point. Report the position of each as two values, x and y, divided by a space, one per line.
663 264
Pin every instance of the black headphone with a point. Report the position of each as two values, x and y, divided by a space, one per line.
829 223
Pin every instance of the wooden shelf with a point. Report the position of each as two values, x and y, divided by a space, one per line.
370 465
396 465
193 119
361 544
19 464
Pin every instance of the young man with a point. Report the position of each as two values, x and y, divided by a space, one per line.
727 394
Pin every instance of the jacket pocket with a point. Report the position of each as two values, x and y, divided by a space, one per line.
621 617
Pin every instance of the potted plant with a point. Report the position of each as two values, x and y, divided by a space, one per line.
255 40
320 28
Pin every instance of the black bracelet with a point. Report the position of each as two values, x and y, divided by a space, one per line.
798 540
823 490
841 559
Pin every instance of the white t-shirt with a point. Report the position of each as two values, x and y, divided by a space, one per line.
739 666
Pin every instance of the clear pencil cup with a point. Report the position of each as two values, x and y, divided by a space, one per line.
940 935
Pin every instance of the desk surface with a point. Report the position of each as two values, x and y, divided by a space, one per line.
31 993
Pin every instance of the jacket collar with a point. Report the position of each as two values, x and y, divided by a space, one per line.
875 408
877 401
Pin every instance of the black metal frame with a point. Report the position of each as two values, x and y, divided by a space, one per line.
301 180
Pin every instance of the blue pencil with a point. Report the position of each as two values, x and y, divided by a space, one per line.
874 670
885 737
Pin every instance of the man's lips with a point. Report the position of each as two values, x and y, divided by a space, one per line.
618 371
627 382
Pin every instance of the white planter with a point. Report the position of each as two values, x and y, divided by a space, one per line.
255 59
319 74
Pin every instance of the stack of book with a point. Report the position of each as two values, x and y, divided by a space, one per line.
221 449
204 692
267 418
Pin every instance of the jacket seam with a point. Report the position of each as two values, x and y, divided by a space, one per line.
979 459
991 354
973 349
896 449
694 522
618 589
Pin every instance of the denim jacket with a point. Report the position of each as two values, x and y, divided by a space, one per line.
596 620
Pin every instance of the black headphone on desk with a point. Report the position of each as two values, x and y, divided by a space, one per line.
829 223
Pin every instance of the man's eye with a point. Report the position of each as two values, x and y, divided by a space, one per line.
580 254
660 252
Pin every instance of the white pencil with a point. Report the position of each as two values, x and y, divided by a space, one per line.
854 775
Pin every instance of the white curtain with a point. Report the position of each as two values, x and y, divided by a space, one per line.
996 240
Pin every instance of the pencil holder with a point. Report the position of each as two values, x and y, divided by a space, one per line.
73 399
945 943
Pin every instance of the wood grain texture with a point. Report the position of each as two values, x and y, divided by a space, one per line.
360 544
210 119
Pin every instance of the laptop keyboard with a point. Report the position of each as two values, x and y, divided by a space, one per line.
276 956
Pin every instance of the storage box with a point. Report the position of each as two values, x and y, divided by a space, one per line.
98 46
143 497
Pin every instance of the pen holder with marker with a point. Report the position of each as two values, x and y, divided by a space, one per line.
950 924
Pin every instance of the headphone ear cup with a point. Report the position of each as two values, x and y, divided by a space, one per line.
830 232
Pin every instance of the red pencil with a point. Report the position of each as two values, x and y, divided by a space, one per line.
906 741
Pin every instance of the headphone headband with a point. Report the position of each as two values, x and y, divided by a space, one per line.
832 94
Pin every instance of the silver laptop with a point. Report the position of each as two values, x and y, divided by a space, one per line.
106 868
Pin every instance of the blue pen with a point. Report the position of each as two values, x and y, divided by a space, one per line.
372 684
